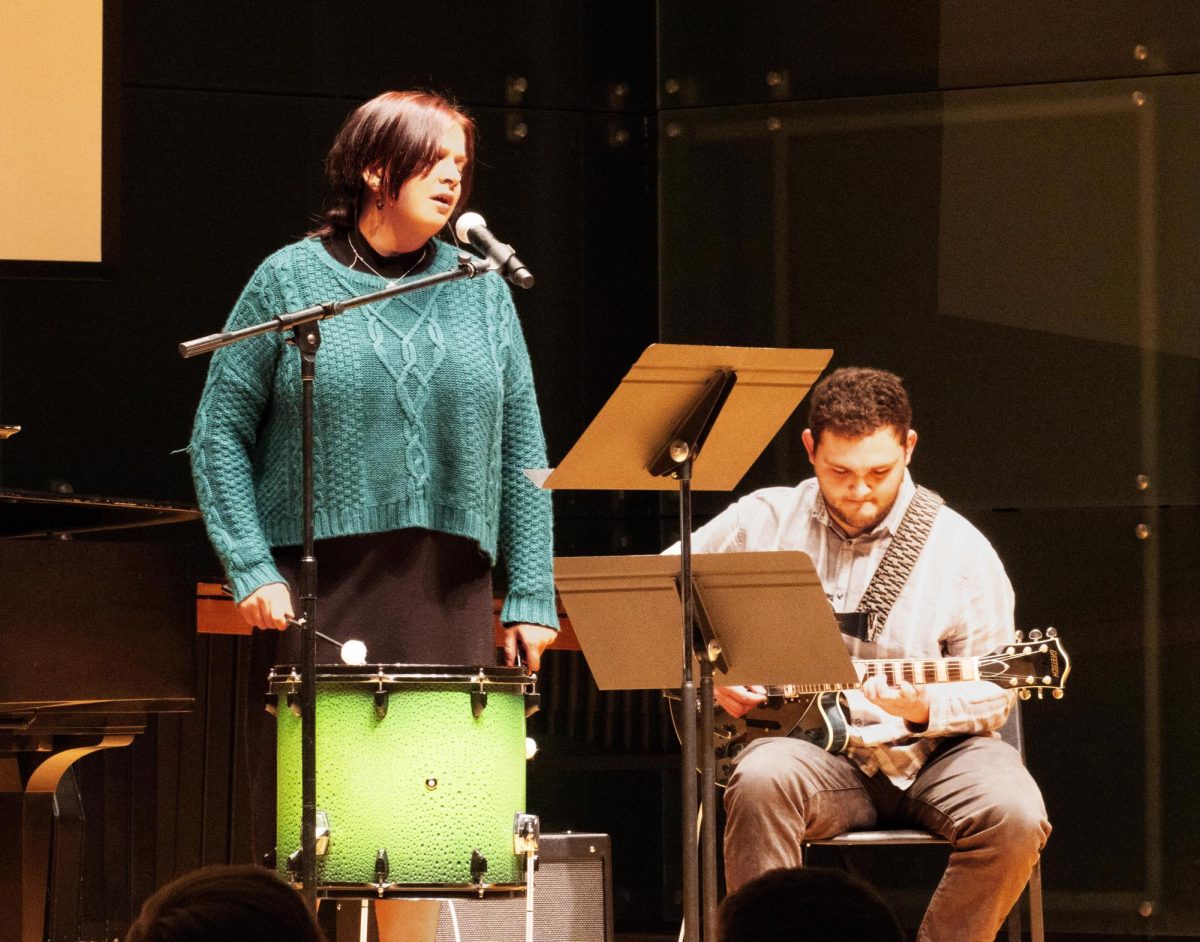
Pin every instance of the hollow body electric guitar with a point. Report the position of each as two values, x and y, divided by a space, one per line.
817 712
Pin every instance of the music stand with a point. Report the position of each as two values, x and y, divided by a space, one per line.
675 401
767 612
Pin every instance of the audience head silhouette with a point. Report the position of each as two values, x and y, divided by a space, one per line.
807 905
232 904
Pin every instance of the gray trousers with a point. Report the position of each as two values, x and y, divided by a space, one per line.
974 791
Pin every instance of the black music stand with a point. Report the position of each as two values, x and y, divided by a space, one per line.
767 615
675 401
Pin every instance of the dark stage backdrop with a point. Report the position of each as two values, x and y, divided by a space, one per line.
997 204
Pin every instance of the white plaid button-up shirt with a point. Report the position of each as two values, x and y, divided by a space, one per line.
957 602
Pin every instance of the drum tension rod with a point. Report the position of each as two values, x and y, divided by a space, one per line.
382 869
294 864
381 701
479 867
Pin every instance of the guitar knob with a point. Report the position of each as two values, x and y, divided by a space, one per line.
1035 635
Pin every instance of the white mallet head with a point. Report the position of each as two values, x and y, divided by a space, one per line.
354 652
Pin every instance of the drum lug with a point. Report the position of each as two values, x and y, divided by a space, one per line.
381 703
295 864
269 858
322 833
293 702
383 869
533 703
478 704
479 867
271 704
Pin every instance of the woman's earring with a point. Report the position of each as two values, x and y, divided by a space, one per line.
379 200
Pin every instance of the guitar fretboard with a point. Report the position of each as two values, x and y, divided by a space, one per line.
940 670
937 671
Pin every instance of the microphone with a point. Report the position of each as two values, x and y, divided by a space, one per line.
472 228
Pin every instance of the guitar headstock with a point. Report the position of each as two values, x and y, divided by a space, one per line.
1036 661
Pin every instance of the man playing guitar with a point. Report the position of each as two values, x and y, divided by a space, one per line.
929 585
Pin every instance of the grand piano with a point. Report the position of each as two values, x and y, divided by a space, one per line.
97 638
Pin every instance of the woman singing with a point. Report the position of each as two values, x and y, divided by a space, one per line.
425 418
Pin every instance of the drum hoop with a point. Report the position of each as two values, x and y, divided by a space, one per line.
417 890
287 676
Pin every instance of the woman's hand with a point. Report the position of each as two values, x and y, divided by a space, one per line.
268 606
532 640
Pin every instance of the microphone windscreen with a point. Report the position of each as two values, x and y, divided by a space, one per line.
467 222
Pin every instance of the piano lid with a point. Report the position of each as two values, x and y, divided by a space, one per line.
26 513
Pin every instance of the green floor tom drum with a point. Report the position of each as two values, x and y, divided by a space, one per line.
420 776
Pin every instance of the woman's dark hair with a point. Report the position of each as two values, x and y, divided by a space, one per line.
806 905
399 133
856 401
234 904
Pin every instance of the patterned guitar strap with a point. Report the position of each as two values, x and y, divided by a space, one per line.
896 566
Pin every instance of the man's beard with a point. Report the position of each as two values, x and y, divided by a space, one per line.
861 524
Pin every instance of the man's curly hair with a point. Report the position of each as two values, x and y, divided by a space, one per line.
856 401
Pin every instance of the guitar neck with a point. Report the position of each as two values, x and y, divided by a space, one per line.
939 670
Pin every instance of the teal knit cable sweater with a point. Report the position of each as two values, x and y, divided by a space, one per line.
425 416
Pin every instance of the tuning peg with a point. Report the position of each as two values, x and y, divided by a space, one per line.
1040 690
1057 694
1020 637
1035 635
1051 632
1024 694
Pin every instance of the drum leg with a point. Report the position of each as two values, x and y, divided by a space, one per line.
527 829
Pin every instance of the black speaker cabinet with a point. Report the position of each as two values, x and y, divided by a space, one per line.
572 900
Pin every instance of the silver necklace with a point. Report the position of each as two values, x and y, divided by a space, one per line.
359 259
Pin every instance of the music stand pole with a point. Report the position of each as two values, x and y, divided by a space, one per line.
687 693
708 800
699 885
676 460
